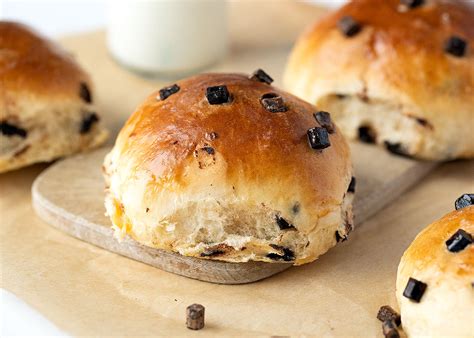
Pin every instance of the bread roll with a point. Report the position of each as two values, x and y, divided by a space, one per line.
435 279
219 166
46 108
396 73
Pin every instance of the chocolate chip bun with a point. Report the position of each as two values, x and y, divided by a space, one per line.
227 167
396 73
435 279
46 108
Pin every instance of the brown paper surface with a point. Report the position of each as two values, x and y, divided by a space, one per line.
85 290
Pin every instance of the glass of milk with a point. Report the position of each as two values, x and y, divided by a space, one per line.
167 37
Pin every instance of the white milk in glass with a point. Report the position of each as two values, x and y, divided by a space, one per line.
170 37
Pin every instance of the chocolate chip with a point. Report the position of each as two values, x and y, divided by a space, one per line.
411 3
318 138
273 103
87 122
195 317
288 254
283 223
367 134
296 208
209 150
324 119
387 313
352 185
260 75
85 93
464 201
211 136
147 209
390 330
340 238
341 96
212 253
348 26
459 241
414 290
217 95
455 46
423 122
397 149
9 129
168 91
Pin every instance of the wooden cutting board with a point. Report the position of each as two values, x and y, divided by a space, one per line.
70 196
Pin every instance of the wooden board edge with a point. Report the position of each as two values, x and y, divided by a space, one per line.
201 269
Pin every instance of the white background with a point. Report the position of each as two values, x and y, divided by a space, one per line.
60 17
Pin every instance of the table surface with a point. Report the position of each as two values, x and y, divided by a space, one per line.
88 291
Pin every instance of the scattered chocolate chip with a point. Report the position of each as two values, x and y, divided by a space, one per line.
459 241
396 148
217 95
296 208
9 129
352 185
195 317
211 136
455 46
168 91
288 255
423 122
85 93
389 329
387 313
414 290
283 223
212 253
367 134
273 103
340 238
260 75
411 3
348 26
464 201
318 138
87 122
341 96
324 119
209 150
147 209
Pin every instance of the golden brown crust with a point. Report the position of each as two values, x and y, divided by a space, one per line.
398 57
188 176
428 250
30 63
255 143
